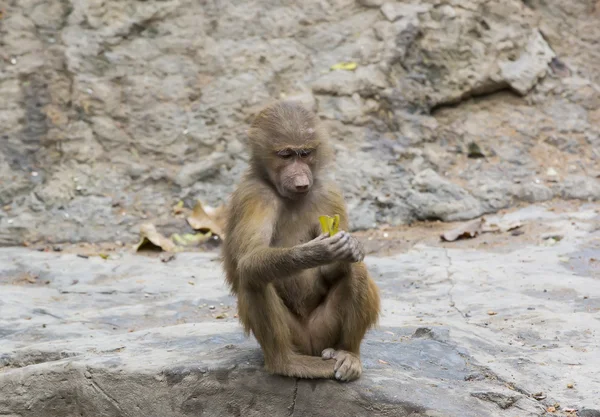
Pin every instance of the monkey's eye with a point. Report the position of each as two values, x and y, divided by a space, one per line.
285 154
305 153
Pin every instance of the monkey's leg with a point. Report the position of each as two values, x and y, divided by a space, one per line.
339 325
271 322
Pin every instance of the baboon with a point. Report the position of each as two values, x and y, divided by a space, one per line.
306 296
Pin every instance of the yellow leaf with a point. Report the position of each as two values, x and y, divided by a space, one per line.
324 220
344 66
336 224
330 224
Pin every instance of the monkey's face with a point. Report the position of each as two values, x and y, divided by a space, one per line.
292 172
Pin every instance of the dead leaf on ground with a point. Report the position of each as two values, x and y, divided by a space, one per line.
27 278
539 396
474 151
551 409
492 226
208 219
383 362
153 240
178 208
190 239
464 231
491 313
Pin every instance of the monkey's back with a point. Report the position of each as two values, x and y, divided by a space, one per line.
246 198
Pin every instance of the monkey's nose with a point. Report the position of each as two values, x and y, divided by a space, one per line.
302 188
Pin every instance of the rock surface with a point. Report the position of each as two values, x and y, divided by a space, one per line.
114 111
463 332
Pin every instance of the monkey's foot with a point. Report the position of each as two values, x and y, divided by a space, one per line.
348 366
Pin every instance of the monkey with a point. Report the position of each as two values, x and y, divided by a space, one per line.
307 297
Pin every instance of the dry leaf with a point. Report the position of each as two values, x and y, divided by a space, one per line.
570 385
191 283
178 208
551 409
32 279
539 396
189 239
492 313
467 230
221 316
490 226
152 239
474 151
383 362
208 219
103 255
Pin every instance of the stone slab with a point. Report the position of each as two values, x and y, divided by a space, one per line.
463 333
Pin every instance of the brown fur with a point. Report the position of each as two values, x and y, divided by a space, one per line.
305 297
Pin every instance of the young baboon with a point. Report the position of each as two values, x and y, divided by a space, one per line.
307 297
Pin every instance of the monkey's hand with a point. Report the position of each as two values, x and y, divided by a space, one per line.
357 252
341 247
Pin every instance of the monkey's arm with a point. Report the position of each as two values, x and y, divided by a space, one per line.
260 264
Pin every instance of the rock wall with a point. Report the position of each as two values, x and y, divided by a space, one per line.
112 110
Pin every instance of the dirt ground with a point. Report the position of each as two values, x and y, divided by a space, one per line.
383 241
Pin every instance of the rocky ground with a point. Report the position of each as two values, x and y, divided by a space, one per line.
114 111
441 111
504 324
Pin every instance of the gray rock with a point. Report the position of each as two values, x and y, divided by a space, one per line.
503 400
437 198
582 188
12 183
361 216
131 335
202 170
523 73
534 193
371 3
364 81
97 90
410 11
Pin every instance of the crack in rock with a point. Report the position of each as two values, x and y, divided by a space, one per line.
292 406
